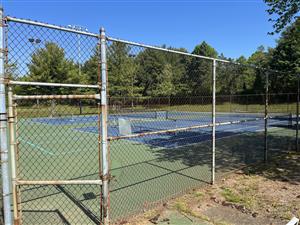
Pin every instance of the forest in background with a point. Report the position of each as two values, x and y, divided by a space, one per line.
135 71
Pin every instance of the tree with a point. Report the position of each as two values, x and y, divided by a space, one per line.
286 59
151 64
284 11
233 78
200 70
260 58
122 71
178 64
50 65
91 67
165 86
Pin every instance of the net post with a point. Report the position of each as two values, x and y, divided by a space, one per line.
104 135
266 116
297 112
12 148
3 132
214 62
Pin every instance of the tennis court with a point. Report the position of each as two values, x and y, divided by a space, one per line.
101 136
59 147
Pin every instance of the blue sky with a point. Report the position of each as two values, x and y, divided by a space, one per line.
232 27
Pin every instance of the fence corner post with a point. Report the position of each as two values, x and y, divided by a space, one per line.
213 163
104 134
3 132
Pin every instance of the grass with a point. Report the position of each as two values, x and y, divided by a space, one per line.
199 195
232 197
182 206
43 110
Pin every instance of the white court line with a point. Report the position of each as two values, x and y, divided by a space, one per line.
35 146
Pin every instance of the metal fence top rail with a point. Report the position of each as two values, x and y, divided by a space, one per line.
56 27
165 49
189 54
50 26
28 83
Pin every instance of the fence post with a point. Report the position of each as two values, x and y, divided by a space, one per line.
288 102
297 112
213 164
3 132
230 102
104 143
247 107
266 116
12 144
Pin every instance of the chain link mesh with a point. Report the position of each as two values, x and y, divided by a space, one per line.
157 93
41 54
56 141
160 120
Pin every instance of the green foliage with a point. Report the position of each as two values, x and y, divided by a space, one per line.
165 86
200 70
259 58
50 65
284 12
122 71
286 59
134 71
91 67
230 196
150 66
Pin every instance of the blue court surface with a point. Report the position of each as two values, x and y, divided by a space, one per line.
155 121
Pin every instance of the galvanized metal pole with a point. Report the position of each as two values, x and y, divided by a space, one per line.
12 144
297 112
3 132
213 163
266 117
104 139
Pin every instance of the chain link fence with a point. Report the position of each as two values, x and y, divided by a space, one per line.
163 152
166 121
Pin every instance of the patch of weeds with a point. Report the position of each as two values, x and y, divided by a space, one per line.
245 196
183 208
150 213
199 195
221 223
287 215
230 196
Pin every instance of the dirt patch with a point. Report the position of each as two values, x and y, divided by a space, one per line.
265 194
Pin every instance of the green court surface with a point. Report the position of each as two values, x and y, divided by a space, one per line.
142 174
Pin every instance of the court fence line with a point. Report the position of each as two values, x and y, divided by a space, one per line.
106 141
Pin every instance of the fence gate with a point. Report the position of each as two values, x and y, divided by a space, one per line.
56 171
56 133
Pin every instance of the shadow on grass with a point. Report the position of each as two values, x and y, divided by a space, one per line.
36 217
284 167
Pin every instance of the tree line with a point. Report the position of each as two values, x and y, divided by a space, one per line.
134 71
